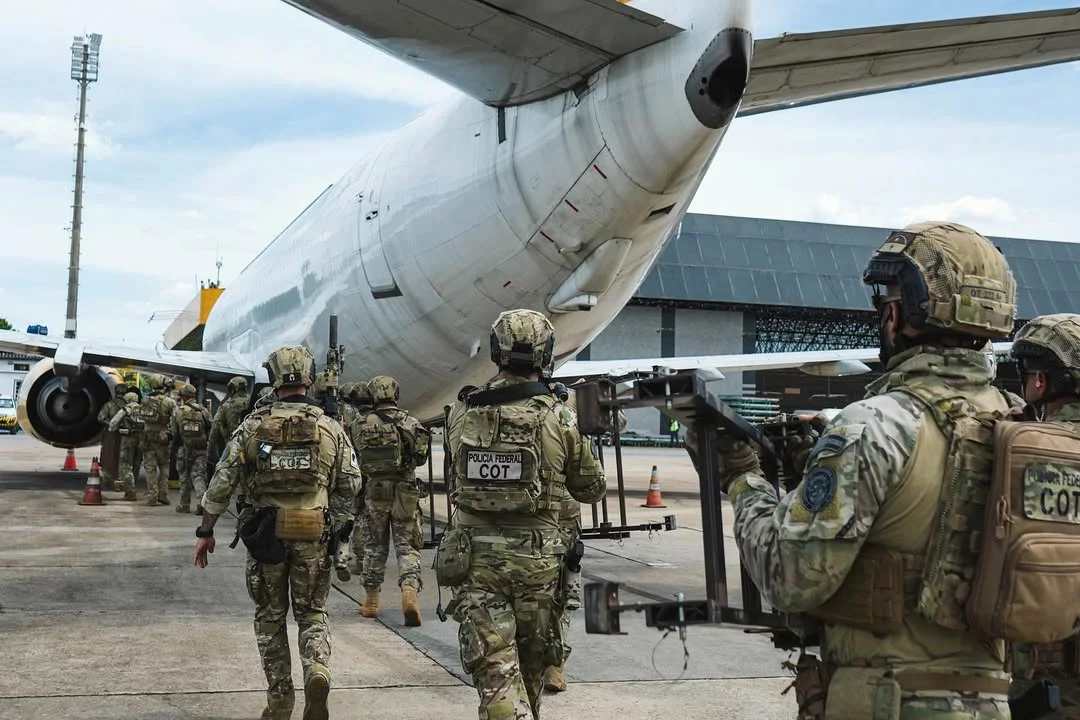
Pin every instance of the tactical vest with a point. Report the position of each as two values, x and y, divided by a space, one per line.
193 426
131 423
499 467
903 600
291 453
379 443
154 412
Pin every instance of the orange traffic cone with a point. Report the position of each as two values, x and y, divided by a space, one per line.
69 461
652 498
92 494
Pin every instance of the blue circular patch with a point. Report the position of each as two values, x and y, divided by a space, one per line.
819 489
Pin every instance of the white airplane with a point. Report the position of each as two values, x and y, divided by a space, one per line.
553 184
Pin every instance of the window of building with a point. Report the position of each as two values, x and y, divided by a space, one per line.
22 367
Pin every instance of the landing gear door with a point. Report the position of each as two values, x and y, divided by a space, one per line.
376 268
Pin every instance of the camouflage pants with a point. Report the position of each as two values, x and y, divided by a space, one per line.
305 575
156 462
193 475
1032 663
572 591
506 608
390 511
129 450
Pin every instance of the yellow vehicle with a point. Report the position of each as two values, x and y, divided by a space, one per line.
8 420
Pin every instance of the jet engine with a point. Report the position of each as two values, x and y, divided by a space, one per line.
61 410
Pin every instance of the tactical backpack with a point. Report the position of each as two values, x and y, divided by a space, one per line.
286 450
1027 582
193 426
497 468
379 444
154 412
132 422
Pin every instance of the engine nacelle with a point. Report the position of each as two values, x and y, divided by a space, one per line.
62 411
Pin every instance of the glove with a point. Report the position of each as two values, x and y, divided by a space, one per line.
795 455
736 458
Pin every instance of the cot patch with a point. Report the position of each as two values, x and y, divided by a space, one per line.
819 489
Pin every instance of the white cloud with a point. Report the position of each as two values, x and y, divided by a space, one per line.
968 210
50 132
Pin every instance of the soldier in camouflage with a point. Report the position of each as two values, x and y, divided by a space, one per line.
1047 353
228 416
156 412
105 415
360 401
297 469
390 443
191 427
514 451
128 422
868 501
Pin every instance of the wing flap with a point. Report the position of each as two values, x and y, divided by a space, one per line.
803 69
502 52
217 367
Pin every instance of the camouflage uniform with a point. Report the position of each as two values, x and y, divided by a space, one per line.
871 488
128 423
1055 338
305 574
508 605
390 443
156 412
360 401
105 415
191 426
228 416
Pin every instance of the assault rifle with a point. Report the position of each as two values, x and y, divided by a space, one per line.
335 365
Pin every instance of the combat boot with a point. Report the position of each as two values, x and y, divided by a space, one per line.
199 510
129 496
316 690
183 508
554 679
409 607
370 608
151 501
163 498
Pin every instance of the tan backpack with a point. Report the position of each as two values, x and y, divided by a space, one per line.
1026 586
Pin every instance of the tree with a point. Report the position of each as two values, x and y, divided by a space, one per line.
4 324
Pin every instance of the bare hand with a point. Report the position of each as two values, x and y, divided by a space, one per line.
202 547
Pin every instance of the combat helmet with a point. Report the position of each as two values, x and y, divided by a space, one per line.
523 339
1051 344
187 391
318 388
950 277
156 382
238 386
131 398
121 389
290 365
383 389
361 393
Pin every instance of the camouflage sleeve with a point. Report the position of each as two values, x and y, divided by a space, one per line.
114 424
422 441
799 548
174 422
345 482
585 480
227 475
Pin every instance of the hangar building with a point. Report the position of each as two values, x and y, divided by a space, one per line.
739 285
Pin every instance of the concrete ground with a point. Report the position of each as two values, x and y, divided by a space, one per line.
102 615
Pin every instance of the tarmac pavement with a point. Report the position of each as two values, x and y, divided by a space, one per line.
103 615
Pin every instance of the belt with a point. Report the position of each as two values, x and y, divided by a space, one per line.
915 680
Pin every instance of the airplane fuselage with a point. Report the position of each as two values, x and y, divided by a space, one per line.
560 205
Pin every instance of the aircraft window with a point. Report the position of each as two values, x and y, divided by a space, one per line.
6 403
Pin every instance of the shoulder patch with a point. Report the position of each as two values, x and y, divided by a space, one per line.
832 442
818 489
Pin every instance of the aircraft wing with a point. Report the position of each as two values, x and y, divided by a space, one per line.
831 363
501 52
803 69
69 354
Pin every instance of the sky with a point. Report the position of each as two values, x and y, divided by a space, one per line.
215 123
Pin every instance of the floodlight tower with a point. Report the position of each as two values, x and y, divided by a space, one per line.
84 70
